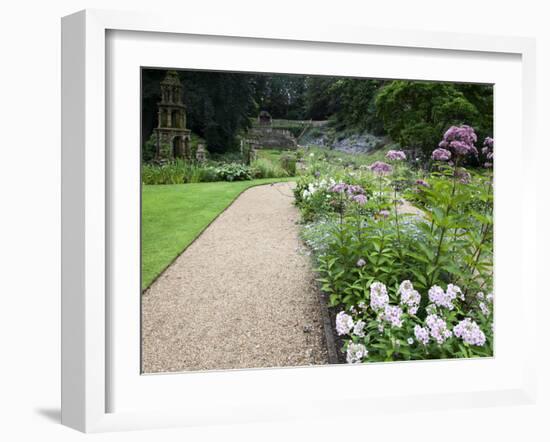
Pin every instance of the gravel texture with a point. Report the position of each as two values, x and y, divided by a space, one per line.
406 208
241 296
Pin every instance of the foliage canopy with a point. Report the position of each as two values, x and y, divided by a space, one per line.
220 105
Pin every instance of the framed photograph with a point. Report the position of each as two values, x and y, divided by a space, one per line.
253 219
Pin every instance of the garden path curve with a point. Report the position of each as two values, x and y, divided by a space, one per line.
242 295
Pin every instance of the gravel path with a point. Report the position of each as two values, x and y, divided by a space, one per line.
241 296
406 208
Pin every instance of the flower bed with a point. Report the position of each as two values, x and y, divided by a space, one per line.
406 286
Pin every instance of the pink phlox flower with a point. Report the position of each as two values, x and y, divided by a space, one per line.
441 298
355 353
409 297
422 334
438 328
378 296
359 329
470 332
344 323
484 309
392 314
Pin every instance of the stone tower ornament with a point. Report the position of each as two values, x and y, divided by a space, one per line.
200 155
173 137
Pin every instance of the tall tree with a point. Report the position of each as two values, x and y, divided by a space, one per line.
219 104
281 95
320 102
416 113
356 105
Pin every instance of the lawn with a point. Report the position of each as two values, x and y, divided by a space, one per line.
273 155
358 159
174 215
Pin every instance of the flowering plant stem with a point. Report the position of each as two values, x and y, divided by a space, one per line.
380 199
484 232
397 222
444 227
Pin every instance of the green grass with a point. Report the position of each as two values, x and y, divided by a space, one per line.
270 154
174 215
334 156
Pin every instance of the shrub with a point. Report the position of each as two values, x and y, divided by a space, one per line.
227 157
149 149
233 172
368 253
175 172
415 113
208 174
180 172
288 163
265 168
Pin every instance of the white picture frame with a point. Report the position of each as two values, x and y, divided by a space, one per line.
87 353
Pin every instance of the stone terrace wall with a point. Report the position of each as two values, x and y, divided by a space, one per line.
272 138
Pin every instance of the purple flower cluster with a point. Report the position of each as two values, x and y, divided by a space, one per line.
438 328
396 155
381 168
392 314
378 296
338 188
352 189
409 297
359 199
444 298
440 154
359 329
463 176
484 302
470 332
487 150
344 323
422 334
355 192
460 140
421 183
484 309
355 353
455 291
